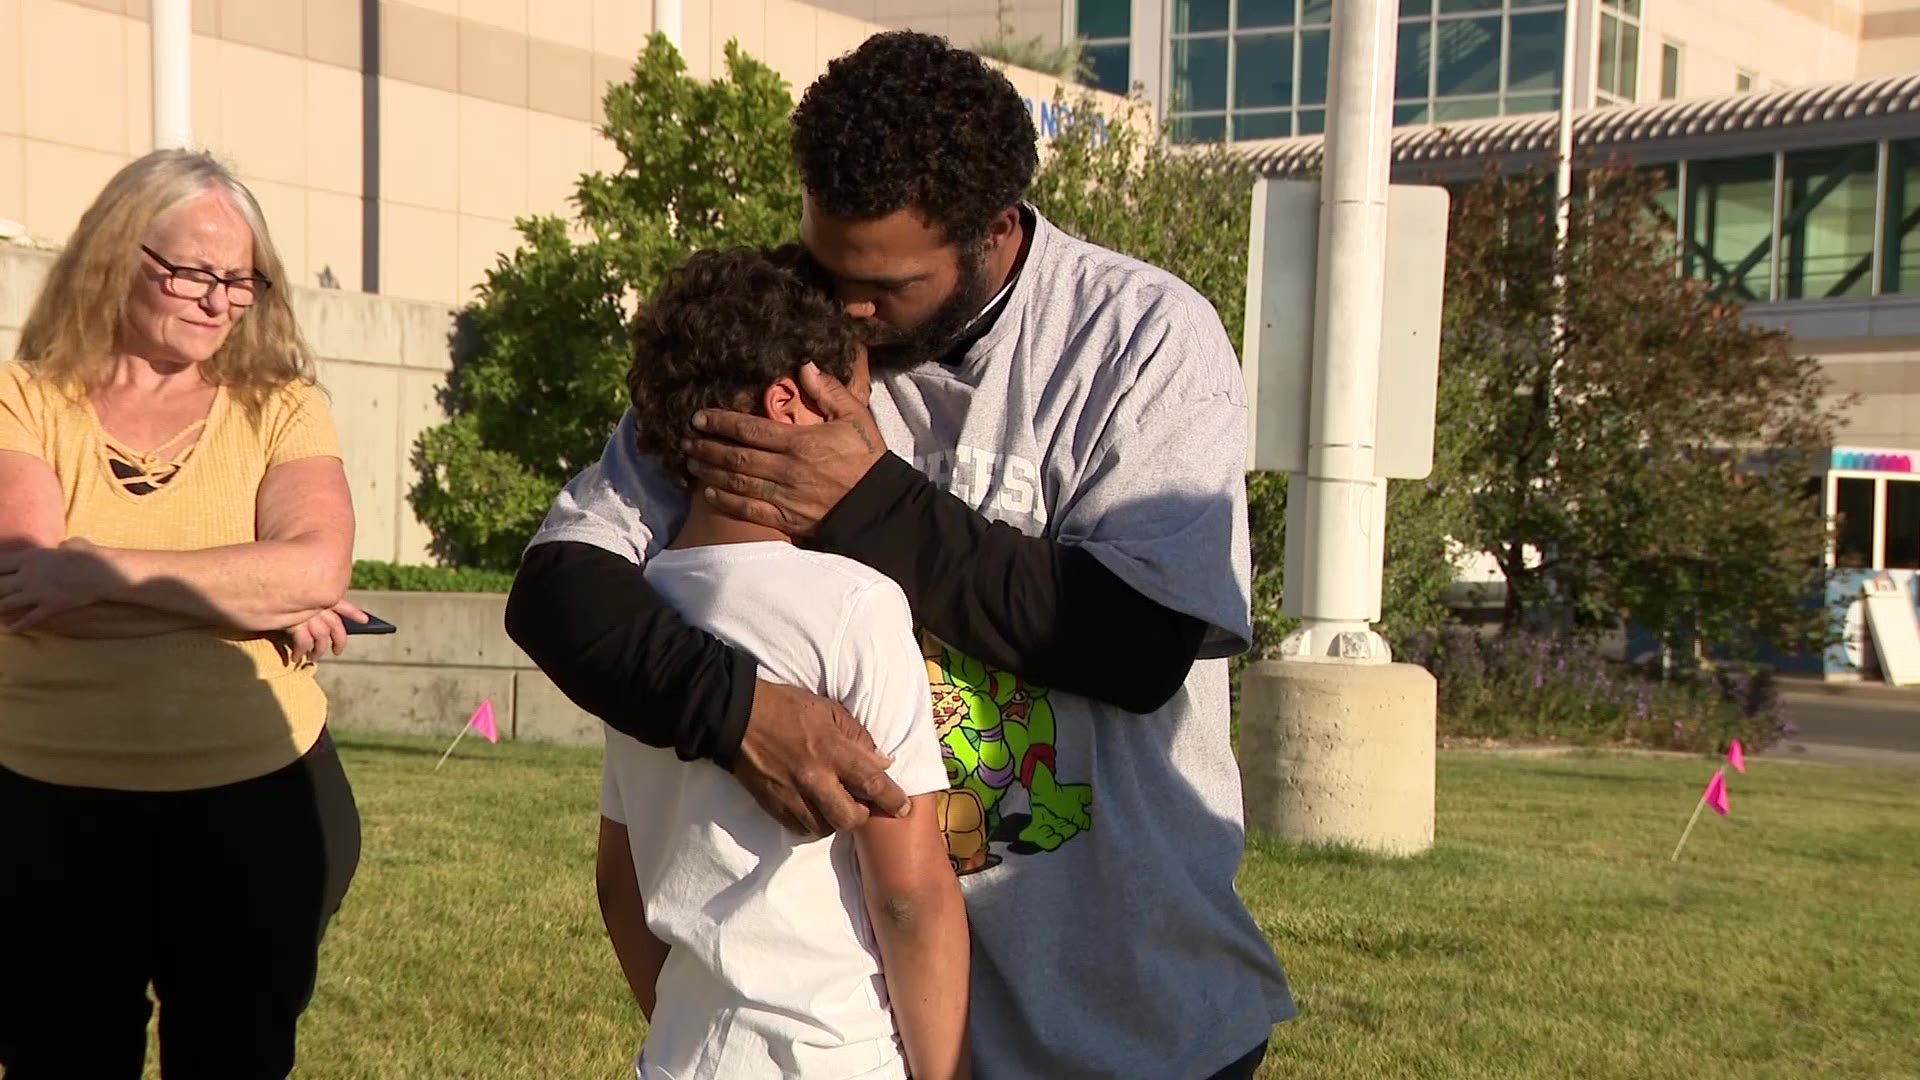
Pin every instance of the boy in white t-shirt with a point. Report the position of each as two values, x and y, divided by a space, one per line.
755 952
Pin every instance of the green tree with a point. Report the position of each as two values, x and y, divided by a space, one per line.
1651 458
541 354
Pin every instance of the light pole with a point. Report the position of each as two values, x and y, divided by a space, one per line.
1336 740
172 74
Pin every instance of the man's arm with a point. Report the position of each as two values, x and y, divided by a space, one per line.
1150 567
581 608
589 619
1021 603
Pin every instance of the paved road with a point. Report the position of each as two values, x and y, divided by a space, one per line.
1859 726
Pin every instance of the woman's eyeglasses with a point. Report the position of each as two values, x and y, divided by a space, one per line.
194 283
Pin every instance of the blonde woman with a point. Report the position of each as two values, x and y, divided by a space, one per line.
175 539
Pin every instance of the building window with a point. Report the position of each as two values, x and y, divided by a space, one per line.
1248 69
1901 240
1827 227
1466 59
1852 522
1669 70
1618 80
1742 81
1903 525
1730 224
1103 27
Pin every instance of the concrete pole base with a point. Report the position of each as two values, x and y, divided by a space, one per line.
1339 753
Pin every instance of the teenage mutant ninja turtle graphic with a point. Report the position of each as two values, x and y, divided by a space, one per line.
996 730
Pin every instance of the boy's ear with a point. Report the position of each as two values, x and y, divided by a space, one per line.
781 401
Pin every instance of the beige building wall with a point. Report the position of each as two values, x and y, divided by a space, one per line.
965 22
1779 42
1886 379
1890 38
487 112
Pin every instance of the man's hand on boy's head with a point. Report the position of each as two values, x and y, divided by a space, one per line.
785 476
811 766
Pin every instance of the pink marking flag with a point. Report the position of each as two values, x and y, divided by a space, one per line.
1737 758
1716 793
482 722
1715 796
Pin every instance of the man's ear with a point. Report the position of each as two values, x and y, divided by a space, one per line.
1002 228
782 402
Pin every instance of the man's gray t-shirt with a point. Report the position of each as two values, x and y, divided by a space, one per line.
1104 408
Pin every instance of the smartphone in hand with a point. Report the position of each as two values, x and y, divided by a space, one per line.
374 625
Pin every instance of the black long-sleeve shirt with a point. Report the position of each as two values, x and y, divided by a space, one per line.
1049 611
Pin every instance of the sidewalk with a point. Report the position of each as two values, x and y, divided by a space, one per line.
1808 686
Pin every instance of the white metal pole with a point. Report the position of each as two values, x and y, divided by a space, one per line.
1563 141
666 20
1342 514
172 74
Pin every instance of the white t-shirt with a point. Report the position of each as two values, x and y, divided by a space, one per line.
772 969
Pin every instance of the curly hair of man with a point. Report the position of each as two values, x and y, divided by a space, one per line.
908 121
723 327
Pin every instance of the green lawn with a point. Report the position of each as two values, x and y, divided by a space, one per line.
1547 935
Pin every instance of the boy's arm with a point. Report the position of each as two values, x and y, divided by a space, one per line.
920 924
913 899
622 908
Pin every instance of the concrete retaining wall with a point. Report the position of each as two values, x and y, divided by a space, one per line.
450 653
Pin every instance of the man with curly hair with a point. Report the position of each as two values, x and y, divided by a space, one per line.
751 951
1051 467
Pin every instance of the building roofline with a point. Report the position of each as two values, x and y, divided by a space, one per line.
1822 114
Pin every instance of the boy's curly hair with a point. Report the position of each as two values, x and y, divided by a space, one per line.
907 120
721 328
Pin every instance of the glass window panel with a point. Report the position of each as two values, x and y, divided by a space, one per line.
1666 201
1414 9
1264 125
1829 201
1730 223
1199 16
1631 7
1414 112
1313 121
1629 80
1103 18
1448 7
1535 46
1467 57
1315 62
1902 241
1199 129
1532 103
1853 523
1259 13
1316 12
1669 71
1263 70
1108 65
1447 109
1608 80
1413 60
1903 525
1200 74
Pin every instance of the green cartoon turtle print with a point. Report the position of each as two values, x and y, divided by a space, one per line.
996 730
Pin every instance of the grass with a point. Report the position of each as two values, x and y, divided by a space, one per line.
1547 934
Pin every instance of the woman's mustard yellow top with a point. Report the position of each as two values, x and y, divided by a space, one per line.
176 711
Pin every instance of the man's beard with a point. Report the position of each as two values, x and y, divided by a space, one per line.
898 350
